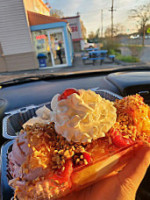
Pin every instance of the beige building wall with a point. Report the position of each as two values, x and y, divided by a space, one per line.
15 38
36 6
25 60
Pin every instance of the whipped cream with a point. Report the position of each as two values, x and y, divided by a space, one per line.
42 117
82 118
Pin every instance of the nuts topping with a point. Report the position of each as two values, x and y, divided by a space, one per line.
132 117
58 148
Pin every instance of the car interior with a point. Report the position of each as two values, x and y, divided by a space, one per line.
49 46
20 96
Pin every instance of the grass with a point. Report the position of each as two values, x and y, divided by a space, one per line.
128 59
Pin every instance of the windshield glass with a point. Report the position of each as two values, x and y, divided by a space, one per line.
61 36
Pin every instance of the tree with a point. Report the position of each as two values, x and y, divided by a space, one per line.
83 29
56 13
117 29
91 35
108 32
142 17
140 31
94 37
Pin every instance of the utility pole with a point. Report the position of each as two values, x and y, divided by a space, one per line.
101 23
112 19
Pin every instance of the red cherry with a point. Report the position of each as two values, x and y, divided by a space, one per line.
87 157
67 93
119 141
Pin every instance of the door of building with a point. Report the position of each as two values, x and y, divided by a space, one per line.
57 47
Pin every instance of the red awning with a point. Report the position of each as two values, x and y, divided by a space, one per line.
37 19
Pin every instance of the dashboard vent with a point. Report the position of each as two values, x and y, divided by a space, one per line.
143 90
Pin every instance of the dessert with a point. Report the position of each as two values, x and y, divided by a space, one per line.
86 138
42 117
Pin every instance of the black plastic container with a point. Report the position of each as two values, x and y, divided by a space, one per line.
6 191
3 105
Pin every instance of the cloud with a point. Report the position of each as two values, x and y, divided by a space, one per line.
67 6
90 11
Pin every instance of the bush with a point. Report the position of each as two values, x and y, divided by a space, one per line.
114 52
135 50
111 44
129 59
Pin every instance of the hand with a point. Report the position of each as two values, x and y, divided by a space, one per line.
123 185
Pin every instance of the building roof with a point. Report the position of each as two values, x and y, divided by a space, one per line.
37 19
72 17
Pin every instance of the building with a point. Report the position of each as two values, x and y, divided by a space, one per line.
36 6
75 25
51 37
28 37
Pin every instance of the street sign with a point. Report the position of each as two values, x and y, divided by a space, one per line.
148 30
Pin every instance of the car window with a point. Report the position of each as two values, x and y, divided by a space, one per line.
42 36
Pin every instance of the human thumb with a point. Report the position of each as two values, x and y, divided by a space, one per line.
135 171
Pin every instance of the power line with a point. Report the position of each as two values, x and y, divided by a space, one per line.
112 18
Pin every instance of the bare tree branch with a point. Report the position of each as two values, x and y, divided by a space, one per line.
56 13
142 17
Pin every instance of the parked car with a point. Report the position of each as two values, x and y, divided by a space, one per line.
89 45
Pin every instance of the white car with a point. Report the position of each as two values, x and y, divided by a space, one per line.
89 45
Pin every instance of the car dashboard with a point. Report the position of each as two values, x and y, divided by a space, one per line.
38 92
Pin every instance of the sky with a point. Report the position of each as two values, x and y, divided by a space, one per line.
90 12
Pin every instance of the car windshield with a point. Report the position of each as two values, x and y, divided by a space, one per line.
47 37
